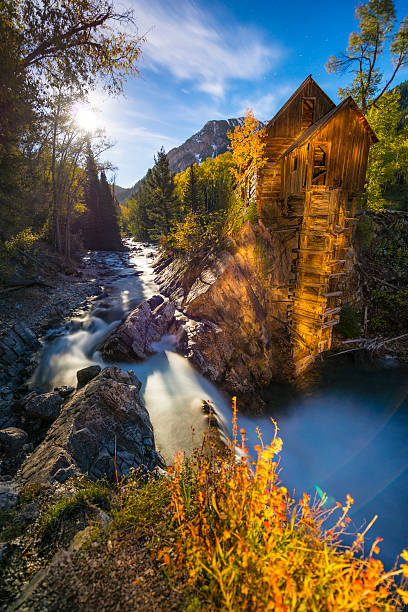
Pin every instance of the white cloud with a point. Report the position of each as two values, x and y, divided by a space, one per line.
266 106
191 45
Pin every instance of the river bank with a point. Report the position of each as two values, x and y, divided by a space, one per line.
334 418
41 310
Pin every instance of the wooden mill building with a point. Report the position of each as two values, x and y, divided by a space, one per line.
316 165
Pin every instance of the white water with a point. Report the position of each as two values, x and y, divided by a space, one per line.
172 390
345 430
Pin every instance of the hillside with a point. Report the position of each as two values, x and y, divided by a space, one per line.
210 141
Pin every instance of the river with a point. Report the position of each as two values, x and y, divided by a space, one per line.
344 426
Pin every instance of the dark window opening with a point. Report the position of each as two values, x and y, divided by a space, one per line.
295 162
319 165
307 112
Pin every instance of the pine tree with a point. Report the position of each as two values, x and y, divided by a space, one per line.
109 240
162 200
193 194
101 221
138 207
92 221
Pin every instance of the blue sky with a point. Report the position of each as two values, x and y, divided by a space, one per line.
212 60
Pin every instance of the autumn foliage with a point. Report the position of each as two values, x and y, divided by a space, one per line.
247 146
248 545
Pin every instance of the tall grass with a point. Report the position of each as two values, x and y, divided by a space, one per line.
246 544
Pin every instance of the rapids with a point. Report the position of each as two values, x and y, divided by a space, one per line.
344 426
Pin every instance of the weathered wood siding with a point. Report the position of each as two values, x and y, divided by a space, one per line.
288 123
303 200
347 144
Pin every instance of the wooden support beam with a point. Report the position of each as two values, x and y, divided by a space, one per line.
331 311
309 284
333 294
330 323
311 251
337 274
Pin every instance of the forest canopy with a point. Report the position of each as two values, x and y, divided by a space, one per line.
53 53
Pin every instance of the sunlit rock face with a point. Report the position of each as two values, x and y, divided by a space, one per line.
237 331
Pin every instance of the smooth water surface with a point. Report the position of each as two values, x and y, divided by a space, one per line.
344 426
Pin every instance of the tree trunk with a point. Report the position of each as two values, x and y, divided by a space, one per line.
56 230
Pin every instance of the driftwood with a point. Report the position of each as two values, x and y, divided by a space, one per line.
368 344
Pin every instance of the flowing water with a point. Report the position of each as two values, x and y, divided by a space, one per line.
344 427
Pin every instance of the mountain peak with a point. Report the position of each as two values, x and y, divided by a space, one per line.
210 141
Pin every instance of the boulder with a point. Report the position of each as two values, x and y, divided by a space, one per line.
102 429
87 374
8 494
4 551
44 407
64 391
135 337
12 441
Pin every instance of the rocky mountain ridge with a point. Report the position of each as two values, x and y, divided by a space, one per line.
210 141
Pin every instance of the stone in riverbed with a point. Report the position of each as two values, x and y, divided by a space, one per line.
64 391
87 374
82 439
8 494
12 440
145 325
45 407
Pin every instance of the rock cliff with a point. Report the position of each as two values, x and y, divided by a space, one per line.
236 326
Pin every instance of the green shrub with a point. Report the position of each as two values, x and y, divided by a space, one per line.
349 325
24 243
251 213
365 232
197 233
92 494
140 505
389 310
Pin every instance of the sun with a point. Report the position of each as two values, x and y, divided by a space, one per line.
86 118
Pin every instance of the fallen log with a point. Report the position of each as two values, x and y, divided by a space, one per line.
24 285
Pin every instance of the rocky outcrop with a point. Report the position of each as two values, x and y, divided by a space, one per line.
104 427
16 348
145 325
237 331
210 141
8 494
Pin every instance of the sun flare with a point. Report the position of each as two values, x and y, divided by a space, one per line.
87 119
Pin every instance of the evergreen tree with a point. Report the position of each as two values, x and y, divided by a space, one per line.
138 207
110 238
193 194
93 221
162 200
